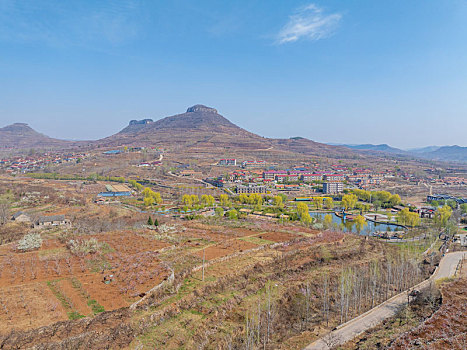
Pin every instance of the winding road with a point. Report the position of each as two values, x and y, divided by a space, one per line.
349 330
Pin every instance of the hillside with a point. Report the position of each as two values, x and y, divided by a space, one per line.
21 136
444 153
377 148
448 153
202 129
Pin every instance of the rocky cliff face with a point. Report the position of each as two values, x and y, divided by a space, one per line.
201 109
141 122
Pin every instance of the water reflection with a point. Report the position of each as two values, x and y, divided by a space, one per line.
349 226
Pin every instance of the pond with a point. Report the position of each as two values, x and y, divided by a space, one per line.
349 226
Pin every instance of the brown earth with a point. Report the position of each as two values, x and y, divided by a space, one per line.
224 249
28 306
447 327
78 302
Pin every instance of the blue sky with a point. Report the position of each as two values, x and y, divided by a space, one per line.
334 71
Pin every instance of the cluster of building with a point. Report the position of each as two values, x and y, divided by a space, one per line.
24 164
435 177
259 180
41 221
445 197
150 164
246 164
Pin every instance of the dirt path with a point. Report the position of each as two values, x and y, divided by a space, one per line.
389 308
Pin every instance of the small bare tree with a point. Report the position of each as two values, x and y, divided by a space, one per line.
331 340
4 213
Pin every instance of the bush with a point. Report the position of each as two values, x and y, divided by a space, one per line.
30 241
83 247
165 228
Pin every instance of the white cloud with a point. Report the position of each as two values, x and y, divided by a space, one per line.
309 22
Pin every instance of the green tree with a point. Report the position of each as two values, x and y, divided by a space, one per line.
148 201
452 203
278 202
157 197
243 198
302 209
377 204
284 197
306 218
219 211
349 201
147 192
156 222
329 203
232 214
150 223
224 200
207 200
442 216
194 199
187 200
395 199
362 194
360 222
463 208
406 217
256 199
318 202
383 196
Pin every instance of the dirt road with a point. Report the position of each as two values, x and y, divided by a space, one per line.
360 324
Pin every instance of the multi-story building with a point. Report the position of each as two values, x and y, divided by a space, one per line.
286 178
334 177
308 177
253 163
227 162
271 174
251 189
333 187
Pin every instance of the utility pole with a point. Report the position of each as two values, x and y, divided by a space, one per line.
204 255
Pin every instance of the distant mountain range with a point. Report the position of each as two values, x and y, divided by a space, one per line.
424 149
21 135
200 129
446 153
379 148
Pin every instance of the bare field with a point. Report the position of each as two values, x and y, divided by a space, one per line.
51 284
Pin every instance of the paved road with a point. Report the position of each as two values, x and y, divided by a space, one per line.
371 318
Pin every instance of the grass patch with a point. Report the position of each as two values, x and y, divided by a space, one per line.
105 248
98 265
256 240
95 306
74 315
66 303
63 300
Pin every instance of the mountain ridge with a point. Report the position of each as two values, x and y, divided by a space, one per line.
203 129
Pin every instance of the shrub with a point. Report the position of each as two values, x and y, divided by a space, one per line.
83 247
165 228
30 241
317 226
